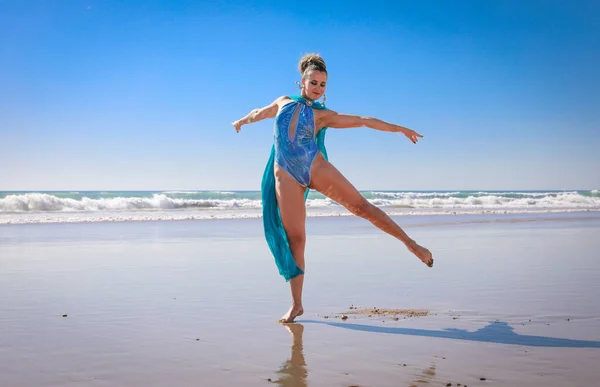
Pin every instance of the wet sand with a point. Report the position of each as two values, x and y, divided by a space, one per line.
512 300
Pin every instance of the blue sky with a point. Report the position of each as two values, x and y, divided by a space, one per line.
139 95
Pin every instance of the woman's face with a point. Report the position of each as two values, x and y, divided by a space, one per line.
314 84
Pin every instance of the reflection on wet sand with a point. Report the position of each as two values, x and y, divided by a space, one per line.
293 372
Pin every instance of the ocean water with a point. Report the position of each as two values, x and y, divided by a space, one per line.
93 206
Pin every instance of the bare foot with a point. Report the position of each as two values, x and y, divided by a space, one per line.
294 312
422 253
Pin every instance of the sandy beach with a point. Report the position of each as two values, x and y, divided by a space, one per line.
142 143
512 300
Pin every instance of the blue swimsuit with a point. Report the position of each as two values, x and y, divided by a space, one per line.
295 155
296 147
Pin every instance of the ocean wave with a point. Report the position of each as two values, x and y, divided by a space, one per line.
464 194
198 193
40 202
554 200
47 202
395 195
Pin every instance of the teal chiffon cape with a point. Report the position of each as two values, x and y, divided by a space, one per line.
274 231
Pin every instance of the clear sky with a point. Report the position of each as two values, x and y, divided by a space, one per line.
140 95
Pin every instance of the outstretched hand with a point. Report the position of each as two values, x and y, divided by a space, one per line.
237 125
412 135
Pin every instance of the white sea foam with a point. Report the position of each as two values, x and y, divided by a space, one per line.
253 214
394 195
558 200
44 202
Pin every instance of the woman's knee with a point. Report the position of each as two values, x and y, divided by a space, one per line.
296 239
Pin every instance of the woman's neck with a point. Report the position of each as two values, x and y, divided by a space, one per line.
303 95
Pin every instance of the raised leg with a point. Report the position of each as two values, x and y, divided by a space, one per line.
326 179
290 198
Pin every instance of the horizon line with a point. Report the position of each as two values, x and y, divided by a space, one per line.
258 190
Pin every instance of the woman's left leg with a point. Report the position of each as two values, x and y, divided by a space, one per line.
326 179
290 198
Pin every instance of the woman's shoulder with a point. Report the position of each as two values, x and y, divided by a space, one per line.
283 100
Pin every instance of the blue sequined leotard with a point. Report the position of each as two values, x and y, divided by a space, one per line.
296 156
296 147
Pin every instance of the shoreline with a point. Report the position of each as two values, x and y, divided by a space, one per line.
71 217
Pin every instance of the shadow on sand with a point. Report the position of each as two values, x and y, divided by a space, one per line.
496 332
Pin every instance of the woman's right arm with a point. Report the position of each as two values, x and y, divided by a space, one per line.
269 111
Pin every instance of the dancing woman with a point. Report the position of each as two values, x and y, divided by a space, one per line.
299 162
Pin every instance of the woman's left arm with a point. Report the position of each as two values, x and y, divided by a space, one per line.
332 119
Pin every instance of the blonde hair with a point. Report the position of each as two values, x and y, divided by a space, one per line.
310 62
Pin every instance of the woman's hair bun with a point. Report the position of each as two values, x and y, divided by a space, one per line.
311 62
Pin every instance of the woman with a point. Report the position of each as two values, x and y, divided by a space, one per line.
299 162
